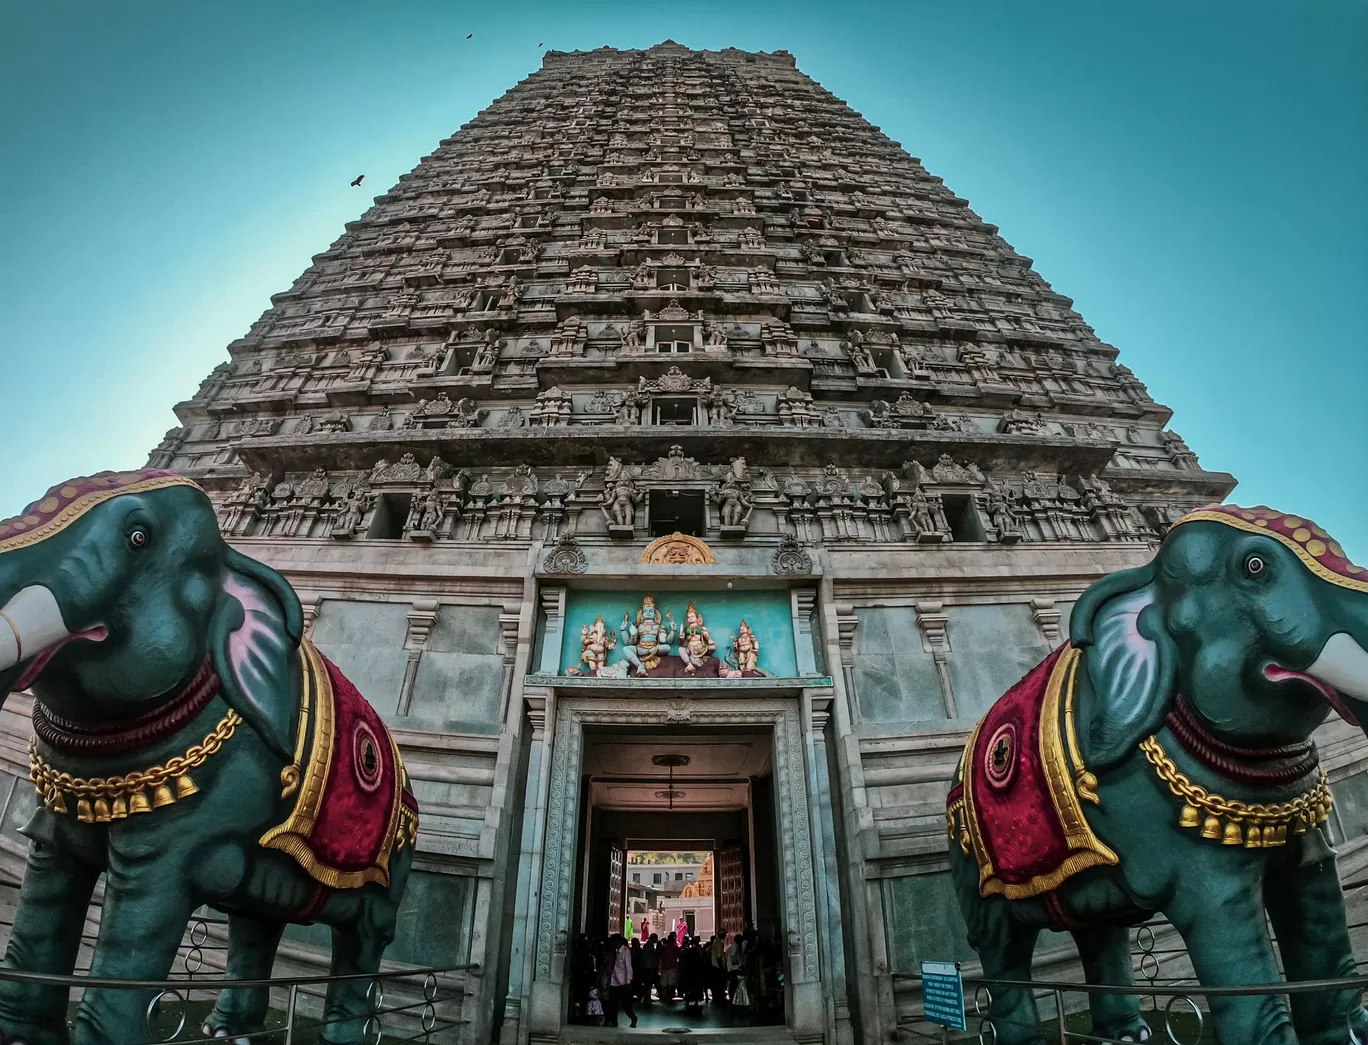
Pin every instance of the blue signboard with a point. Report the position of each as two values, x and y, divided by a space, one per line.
943 994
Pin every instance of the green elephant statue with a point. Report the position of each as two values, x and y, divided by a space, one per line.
1161 761
193 748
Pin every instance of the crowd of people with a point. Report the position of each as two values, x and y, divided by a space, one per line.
610 977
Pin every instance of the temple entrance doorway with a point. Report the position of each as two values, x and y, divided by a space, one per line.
678 856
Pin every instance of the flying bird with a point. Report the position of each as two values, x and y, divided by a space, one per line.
359 179
469 35
539 43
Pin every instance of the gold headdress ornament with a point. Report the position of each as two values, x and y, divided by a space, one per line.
66 502
1318 552
649 600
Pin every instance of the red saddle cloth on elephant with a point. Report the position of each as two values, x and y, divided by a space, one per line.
1016 801
354 806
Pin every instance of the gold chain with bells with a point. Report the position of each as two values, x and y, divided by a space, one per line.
1266 824
100 800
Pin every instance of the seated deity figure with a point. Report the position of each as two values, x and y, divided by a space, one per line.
746 648
695 644
648 638
595 642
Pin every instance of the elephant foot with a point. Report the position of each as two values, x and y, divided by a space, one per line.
237 1034
1133 1030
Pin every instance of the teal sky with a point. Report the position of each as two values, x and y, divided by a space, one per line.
1192 174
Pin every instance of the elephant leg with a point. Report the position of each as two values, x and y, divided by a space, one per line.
146 909
1008 957
46 937
1223 927
359 942
1306 906
1105 953
252 943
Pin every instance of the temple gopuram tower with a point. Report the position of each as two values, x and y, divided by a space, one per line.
670 350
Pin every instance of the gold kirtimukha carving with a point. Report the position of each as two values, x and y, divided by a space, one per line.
1253 825
678 549
100 799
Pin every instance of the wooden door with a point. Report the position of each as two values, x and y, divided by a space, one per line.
617 888
731 890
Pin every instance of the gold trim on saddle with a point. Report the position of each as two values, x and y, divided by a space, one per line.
1068 781
292 836
102 799
1253 825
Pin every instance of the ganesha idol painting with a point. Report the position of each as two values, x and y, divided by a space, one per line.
193 748
651 645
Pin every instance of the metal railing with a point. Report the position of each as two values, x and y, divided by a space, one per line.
173 1013
1176 1015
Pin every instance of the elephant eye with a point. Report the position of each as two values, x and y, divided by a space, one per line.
1255 565
138 538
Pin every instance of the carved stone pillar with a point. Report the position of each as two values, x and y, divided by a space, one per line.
420 621
553 606
803 600
831 942
1047 619
932 622
846 623
508 647
539 705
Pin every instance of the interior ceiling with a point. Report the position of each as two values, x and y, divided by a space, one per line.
624 776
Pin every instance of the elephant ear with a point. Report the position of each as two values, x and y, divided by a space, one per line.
1131 662
253 637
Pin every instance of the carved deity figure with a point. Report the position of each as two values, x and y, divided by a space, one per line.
720 405
746 648
921 512
595 642
620 501
714 334
632 336
695 643
733 503
1002 513
431 514
648 636
353 508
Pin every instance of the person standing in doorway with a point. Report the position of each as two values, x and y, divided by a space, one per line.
620 980
669 968
650 973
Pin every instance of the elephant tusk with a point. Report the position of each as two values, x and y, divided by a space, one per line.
29 623
1343 664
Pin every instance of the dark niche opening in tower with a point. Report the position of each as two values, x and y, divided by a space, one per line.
677 512
391 512
963 517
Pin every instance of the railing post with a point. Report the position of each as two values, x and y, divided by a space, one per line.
290 1014
1059 1012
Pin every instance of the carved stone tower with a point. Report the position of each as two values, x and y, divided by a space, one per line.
660 292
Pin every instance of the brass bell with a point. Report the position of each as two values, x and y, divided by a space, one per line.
1279 835
162 796
1254 840
1211 828
1233 835
1300 827
185 787
1189 817
118 809
101 811
83 813
137 803
58 802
